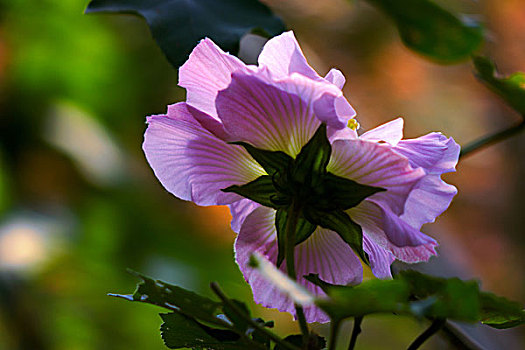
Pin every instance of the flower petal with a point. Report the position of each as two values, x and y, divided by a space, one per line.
336 77
267 117
380 258
391 132
434 152
283 56
390 232
324 253
191 162
207 71
240 210
369 163
429 198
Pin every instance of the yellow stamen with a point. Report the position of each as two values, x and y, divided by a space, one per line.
353 124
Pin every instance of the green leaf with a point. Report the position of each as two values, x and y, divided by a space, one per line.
325 286
304 229
179 331
260 190
449 297
310 164
341 223
374 296
178 25
315 342
169 296
238 322
499 312
432 31
511 88
341 193
271 161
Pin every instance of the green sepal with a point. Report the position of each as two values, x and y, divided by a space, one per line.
431 30
304 229
341 193
511 88
260 190
310 164
270 161
340 222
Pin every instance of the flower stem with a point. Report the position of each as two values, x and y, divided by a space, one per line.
291 228
430 331
491 139
334 329
355 332
217 290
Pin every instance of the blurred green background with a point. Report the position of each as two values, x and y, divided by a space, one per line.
79 204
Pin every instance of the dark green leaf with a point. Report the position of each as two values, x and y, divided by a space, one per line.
374 296
260 190
169 296
271 161
178 25
343 194
179 331
310 164
304 229
432 31
499 312
341 223
238 322
511 88
448 298
315 342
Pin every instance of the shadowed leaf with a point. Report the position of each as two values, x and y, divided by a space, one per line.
432 31
178 25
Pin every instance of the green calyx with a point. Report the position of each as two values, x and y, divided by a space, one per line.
320 198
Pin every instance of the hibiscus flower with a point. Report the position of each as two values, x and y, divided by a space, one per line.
213 149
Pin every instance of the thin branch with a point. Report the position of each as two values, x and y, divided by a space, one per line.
430 331
355 332
491 139
217 290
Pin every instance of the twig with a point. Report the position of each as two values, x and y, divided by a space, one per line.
491 139
355 332
217 290
430 331
334 329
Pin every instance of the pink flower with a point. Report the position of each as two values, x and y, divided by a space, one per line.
278 106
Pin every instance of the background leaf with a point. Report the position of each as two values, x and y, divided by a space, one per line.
178 25
432 31
511 88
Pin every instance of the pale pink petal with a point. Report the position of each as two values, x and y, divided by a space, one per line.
283 56
429 198
390 232
324 253
434 152
391 133
335 77
191 162
380 258
207 71
267 117
369 163
240 210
